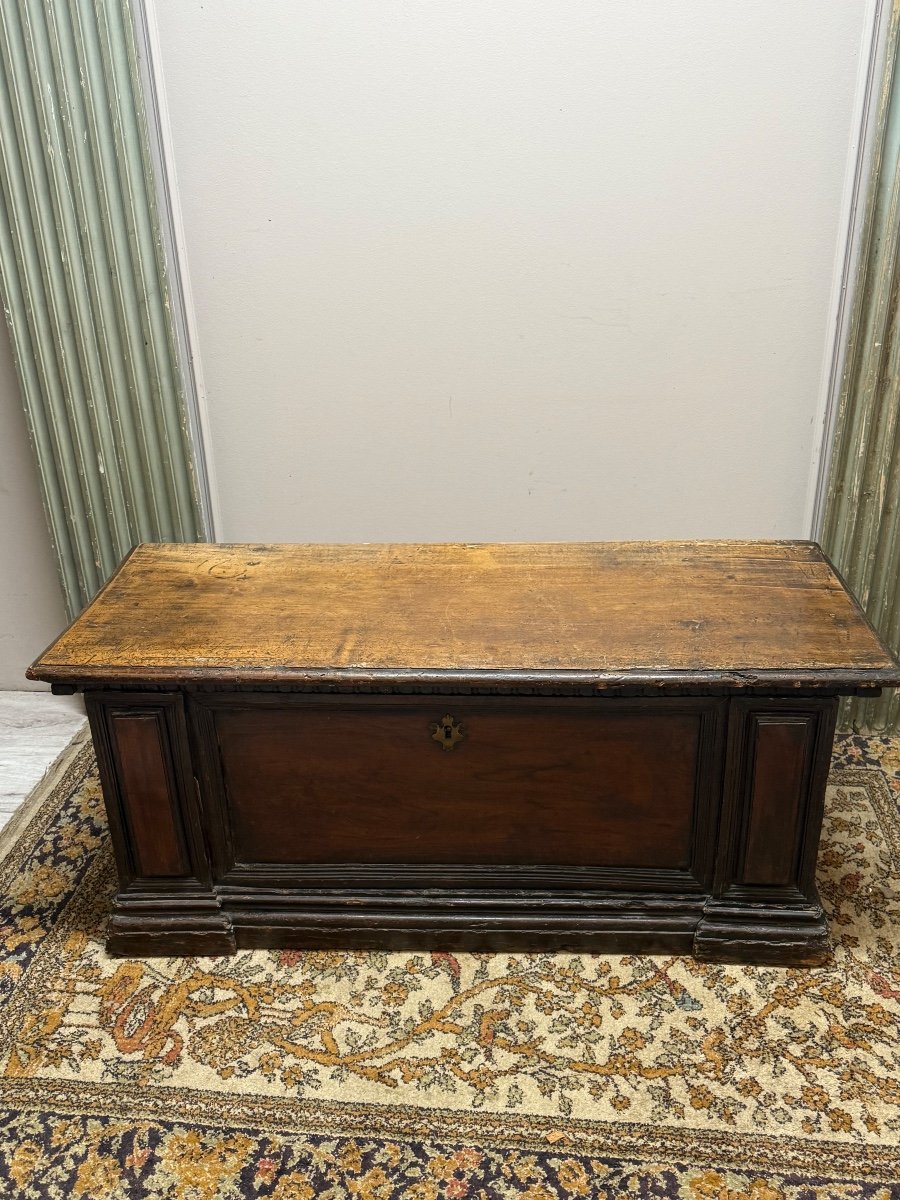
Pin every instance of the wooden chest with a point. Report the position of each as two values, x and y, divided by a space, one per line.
609 746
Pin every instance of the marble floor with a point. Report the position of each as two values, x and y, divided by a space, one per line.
35 727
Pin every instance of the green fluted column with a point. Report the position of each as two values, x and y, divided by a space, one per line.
84 287
862 523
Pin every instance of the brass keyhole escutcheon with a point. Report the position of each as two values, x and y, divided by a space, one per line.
447 732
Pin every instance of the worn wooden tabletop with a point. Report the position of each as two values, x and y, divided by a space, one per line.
608 609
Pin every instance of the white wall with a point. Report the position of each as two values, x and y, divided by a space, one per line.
31 603
518 269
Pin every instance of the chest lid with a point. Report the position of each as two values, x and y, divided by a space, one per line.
601 614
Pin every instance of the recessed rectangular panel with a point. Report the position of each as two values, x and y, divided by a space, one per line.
509 783
781 747
147 792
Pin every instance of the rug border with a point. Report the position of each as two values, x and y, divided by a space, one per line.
535 1134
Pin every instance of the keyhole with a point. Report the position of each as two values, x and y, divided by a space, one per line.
446 732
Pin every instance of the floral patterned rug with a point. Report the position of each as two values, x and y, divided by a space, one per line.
356 1076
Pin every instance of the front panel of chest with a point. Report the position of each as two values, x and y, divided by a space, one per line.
437 791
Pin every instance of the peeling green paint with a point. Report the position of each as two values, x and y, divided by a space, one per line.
84 286
862 517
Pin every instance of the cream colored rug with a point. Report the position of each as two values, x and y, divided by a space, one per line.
328 1074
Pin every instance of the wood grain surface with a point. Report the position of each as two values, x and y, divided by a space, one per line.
267 613
531 782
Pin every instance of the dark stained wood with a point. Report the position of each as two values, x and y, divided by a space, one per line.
764 920
147 795
161 914
632 744
780 760
529 782
655 612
